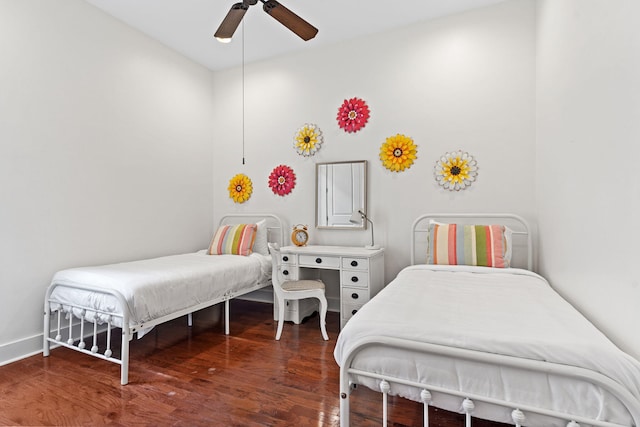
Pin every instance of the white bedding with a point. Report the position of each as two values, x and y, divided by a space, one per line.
157 287
506 311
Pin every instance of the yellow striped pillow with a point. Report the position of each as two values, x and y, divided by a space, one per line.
235 239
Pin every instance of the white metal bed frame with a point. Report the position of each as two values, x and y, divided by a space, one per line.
77 342
517 411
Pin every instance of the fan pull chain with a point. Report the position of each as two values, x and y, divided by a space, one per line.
243 91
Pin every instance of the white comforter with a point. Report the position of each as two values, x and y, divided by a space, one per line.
157 287
505 311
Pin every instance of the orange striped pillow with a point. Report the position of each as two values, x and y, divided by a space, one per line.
458 244
233 239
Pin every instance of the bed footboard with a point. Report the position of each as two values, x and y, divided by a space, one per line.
74 336
92 322
518 411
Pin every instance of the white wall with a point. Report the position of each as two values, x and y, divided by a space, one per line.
588 128
462 82
107 137
105 152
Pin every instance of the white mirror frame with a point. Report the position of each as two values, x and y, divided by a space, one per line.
341 189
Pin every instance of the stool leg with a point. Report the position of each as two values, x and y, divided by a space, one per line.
281 304
323 317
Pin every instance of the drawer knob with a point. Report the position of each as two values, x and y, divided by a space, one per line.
285 272
318 260
354 279
285 258
353 312
354 263
354 295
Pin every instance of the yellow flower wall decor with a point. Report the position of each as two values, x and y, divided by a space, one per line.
456 171
398 153
308 140
240 188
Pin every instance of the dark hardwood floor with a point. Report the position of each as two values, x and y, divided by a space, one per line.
198 376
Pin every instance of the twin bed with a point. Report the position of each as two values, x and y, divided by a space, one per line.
136 296
465 332
496 343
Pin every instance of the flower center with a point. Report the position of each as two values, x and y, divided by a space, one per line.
352 115
281 180
455 170
397 152
238 188
306 139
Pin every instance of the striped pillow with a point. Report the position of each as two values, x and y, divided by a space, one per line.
233 239
458 244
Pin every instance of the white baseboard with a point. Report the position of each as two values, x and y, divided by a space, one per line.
26 347
261 295
20 349
333 304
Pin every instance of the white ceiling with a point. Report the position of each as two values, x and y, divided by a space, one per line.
187 26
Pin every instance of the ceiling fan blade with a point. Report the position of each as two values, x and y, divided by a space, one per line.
290 20
230 22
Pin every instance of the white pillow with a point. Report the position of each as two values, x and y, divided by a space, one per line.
260 244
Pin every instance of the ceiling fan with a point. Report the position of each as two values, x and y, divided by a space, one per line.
283 15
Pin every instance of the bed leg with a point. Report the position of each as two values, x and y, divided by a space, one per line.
468 406
518 417
384 388
344 409
226 317
190 319
124 358
425 396
46 331
345 393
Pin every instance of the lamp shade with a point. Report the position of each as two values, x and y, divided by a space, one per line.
356 217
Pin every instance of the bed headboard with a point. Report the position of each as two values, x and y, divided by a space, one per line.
275 230
522 239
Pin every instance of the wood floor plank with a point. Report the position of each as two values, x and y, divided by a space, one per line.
198 376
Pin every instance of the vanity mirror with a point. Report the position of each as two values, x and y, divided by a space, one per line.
341 189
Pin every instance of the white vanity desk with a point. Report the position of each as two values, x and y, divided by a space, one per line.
361 275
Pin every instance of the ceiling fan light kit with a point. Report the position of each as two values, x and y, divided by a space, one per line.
286 17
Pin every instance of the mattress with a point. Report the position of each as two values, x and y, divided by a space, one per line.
158 287
510 312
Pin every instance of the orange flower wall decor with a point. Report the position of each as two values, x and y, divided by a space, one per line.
240 188
398 152
353 115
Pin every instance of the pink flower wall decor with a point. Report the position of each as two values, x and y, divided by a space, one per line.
282 180
353 115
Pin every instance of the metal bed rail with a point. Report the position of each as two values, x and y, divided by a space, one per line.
78 343
518 410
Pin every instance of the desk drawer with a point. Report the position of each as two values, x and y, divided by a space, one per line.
319 261
287 259
355 263
348 310
355 278
354 296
